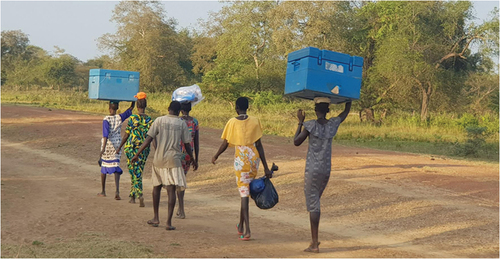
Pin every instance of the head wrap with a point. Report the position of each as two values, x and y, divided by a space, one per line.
140 95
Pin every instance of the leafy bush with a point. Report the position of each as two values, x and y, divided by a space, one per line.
467 120
491 122
475 141
262 99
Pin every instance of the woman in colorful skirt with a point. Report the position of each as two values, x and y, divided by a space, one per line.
244 133
319 158
109 158
135 134
192 124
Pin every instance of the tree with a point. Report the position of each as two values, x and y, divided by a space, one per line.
420 49
14 45
320 24
494 100
204 54
100 62
21 62
60 71
480 88
186 45
14 48
147 42
243 45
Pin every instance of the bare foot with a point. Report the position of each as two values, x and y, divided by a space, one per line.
141 202
180 215
101 194
132 200
117 196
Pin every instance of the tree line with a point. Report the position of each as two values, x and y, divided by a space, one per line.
418 55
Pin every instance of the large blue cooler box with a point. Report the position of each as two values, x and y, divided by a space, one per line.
312 72
113 85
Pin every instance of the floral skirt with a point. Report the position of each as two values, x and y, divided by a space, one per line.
246 165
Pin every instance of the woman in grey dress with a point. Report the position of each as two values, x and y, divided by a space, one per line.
319 155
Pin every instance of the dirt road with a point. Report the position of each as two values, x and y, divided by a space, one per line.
377 204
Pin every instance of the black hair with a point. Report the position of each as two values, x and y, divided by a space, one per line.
242 103
186 106
322 107
113 105
175 106
142 103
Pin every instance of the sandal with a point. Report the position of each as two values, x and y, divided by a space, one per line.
245 238
117 196
101 195
170 228
150 222
312 250
237 229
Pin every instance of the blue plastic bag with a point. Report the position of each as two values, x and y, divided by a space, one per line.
190 94
257 186
268 197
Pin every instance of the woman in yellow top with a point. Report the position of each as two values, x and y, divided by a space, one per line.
244 133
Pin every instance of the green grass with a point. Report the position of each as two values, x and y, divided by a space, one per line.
400 131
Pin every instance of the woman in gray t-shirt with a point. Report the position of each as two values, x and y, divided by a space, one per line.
319 157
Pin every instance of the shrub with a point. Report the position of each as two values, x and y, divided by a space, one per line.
467 120
475 141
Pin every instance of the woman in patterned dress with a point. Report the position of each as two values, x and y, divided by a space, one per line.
135 134
319 156
109 158
192 124
244 133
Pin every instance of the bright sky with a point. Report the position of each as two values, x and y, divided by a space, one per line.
76 25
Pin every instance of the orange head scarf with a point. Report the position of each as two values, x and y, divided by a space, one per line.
140 95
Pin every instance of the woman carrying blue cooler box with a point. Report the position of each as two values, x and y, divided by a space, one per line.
319 154
109 158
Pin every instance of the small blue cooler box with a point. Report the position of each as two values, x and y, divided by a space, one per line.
115 85
312 72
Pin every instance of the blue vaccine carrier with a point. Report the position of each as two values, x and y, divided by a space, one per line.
312 72
113 85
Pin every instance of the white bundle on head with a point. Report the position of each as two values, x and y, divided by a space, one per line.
190 94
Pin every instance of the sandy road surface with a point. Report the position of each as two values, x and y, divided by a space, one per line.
377 204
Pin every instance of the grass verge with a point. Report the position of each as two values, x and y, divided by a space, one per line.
399 132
